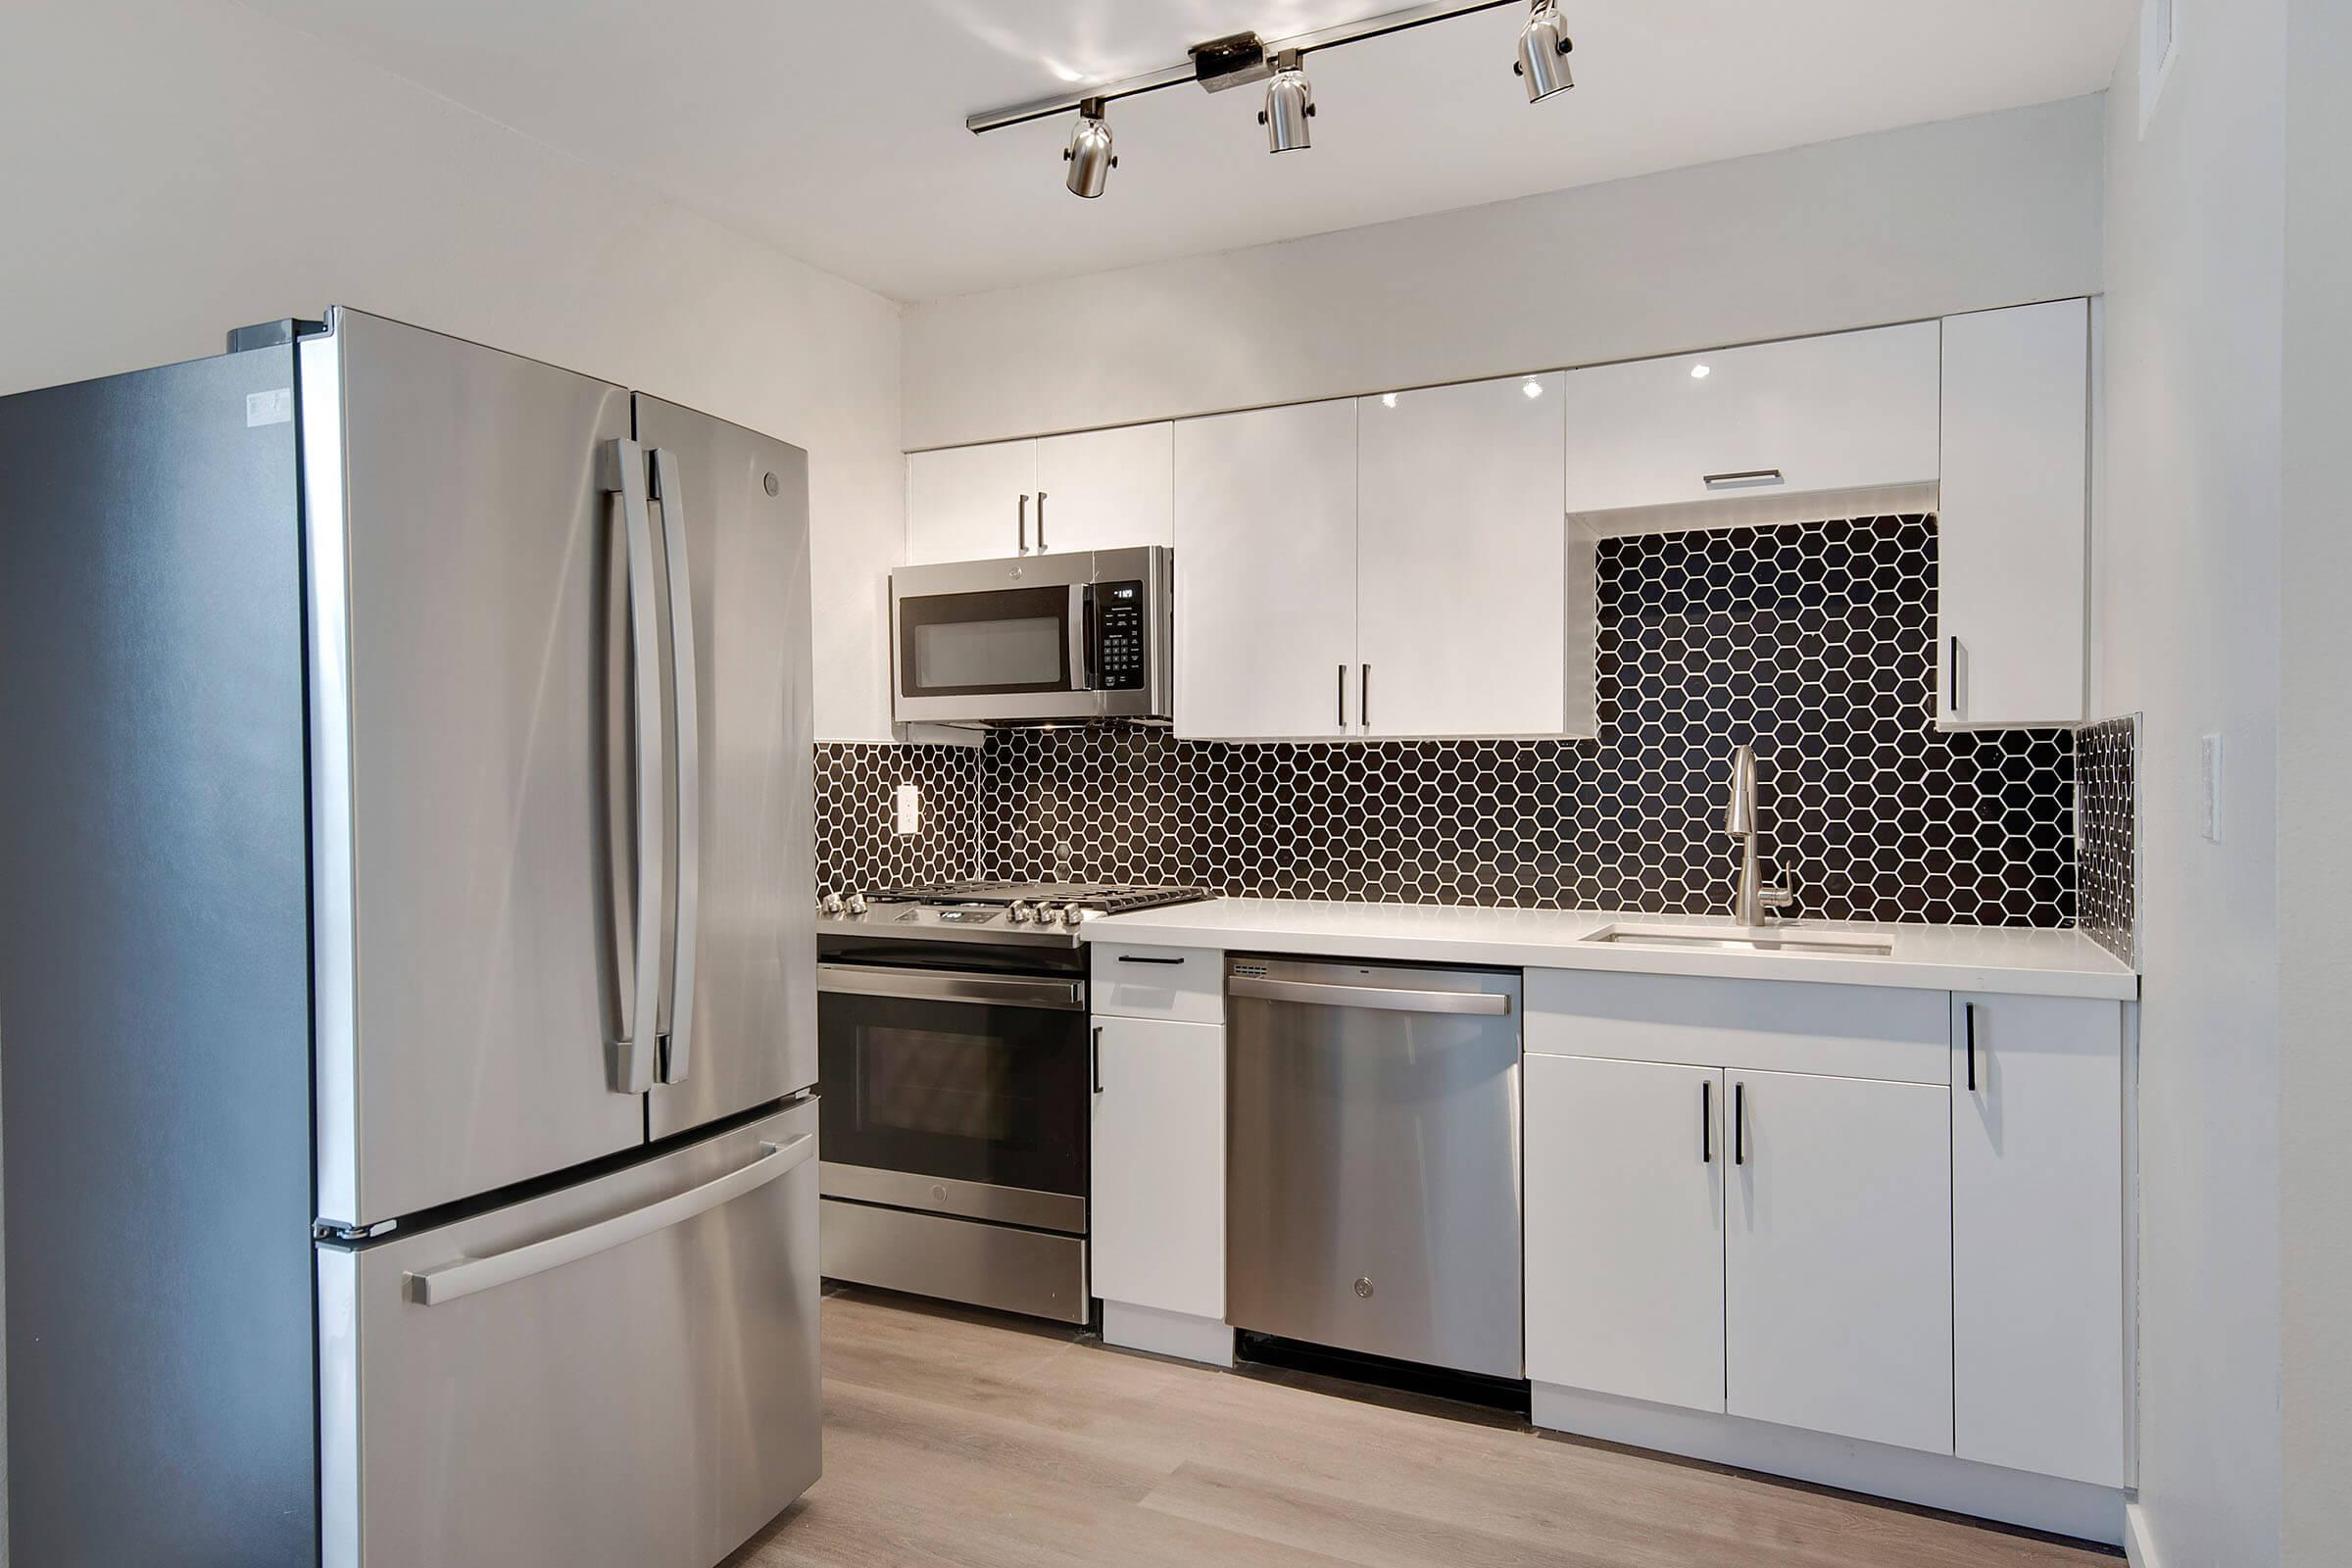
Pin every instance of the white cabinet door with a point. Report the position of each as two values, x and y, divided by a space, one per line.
1837 1283
2013 520
1265 573
1104 489
1624 1173
2037 1235
1849 411
1461 560
970 502
1157 1219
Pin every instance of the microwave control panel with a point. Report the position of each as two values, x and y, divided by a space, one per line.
1119 636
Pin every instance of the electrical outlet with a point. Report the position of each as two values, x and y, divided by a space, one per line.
910 809
2210 748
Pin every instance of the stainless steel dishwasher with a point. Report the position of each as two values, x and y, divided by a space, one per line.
1372 1200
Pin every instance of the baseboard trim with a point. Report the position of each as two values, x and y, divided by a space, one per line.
1177 1334
2138 1547
1928 1480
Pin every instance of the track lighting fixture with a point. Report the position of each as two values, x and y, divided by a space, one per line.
1289 105
1242 58
1089 152
1543 52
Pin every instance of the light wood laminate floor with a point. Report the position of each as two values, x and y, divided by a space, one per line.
956 1437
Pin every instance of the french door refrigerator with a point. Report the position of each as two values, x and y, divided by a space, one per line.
407 1007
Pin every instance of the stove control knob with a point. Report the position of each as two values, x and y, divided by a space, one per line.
1048 915
1020 913
854 903
1071 915
830 903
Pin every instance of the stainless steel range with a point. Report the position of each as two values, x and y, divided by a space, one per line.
953 1039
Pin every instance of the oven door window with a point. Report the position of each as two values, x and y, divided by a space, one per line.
960 1090
1006 640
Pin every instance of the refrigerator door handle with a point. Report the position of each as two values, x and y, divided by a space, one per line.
621 465
457 1281
677 1009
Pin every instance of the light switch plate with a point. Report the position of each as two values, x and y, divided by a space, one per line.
2210 748
910 809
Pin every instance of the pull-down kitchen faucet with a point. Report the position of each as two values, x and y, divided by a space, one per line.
1751 899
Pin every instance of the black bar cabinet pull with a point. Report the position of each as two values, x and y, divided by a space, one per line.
1968 1024
1098 1056
1706 1121
1738 1124
1138 957
1343 697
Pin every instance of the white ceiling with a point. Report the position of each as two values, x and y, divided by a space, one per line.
833 129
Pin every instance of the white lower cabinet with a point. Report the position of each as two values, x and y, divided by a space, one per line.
1624 1176
2037 1235
1157 1219
1837 1283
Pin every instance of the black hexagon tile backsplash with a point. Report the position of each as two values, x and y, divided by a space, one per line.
1815 643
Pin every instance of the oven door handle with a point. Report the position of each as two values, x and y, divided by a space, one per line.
941 985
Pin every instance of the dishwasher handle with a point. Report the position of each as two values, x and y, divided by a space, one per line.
1379 999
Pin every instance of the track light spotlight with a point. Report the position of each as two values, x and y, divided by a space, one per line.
1543 47
1089 152
1289 105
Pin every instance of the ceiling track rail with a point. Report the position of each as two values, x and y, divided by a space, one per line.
1196 70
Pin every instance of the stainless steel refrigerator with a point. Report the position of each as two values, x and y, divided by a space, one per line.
407 1007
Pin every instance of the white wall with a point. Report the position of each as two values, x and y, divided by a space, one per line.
177 168
2190 580
1992 209
2314 761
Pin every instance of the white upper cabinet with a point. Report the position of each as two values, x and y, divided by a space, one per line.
971 502
1104 489
1096 490
1838 1257
1461 568
1265 573
2037 1235
2013 518
1856 411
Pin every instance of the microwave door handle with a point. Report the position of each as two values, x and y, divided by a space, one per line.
1082 637
621 466
686 717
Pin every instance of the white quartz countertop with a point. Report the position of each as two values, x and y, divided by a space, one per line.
2000 960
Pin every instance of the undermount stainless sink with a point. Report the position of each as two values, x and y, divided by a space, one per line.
1741 939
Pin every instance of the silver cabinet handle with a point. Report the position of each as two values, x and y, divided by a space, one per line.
1041 520
1363 699
938 985
1023 525
1381 999
1951 676
1743 480
622 465
1343 697
457 1281
677 1009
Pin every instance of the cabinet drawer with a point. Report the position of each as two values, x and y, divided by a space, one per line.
1183 984
1761 1025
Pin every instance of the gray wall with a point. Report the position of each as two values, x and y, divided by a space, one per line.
2190 579
2314 761
1992 209
175 168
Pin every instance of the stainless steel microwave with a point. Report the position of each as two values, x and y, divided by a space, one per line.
1034 639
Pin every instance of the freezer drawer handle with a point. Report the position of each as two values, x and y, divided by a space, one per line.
621 473
457 1281
1486 1004
677 1002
